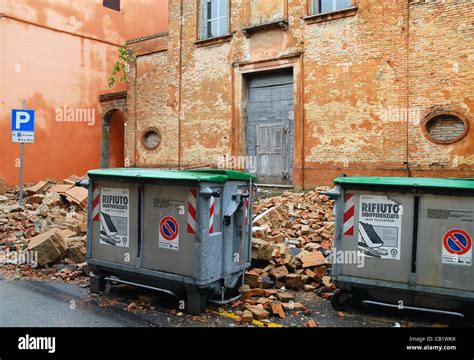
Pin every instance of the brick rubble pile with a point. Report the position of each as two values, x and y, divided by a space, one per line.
292 240
47 236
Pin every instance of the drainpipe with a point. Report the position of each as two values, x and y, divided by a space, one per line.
135 85
408 92
303 120
180 79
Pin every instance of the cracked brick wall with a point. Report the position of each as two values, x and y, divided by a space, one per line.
364 79
441 59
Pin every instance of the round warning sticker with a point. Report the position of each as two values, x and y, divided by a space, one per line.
169 233
169 228
457 247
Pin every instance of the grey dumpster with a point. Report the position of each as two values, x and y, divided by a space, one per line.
185 233
411 239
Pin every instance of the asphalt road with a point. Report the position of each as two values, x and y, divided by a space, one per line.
53 304
33 303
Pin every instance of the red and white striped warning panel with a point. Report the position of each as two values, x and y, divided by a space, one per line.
211 214
192 212
246 211
246 208
349 210
96 203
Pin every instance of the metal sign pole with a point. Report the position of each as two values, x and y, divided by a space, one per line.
20 200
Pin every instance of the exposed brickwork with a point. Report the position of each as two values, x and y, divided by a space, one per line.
441 76
354 68
363 83
114 101
445 128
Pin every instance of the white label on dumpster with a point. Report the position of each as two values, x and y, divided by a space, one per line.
114 217
457 248
380 227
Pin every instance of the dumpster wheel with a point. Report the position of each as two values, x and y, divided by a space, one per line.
340 300
97 283
196 302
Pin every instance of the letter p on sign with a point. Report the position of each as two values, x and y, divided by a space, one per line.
23 120
22 117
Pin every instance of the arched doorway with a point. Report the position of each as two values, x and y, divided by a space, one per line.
112 150
113 136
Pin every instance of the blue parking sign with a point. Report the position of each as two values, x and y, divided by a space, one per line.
23 126
23 120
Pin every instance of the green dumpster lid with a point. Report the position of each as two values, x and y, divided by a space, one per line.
408 182
231 174
216 176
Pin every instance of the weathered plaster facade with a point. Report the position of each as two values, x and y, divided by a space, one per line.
364 79
57 55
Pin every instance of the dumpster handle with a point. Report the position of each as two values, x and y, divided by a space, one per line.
142 286
242 196
370 302
85 183
333 193
224 302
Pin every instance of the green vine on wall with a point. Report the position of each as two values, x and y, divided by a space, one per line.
120 70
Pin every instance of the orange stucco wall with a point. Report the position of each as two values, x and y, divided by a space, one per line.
57 56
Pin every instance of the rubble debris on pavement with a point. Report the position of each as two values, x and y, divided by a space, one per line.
51 224
292 240
293 235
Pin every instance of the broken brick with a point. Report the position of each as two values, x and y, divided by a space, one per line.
77 195
277 310
261 250
285 297
251 278
311 259
247 317
60 188
258 312
294 281
279 272
37 188
327 281
312 324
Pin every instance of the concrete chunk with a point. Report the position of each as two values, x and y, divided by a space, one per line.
49 247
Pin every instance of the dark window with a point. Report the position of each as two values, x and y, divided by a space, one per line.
112 4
